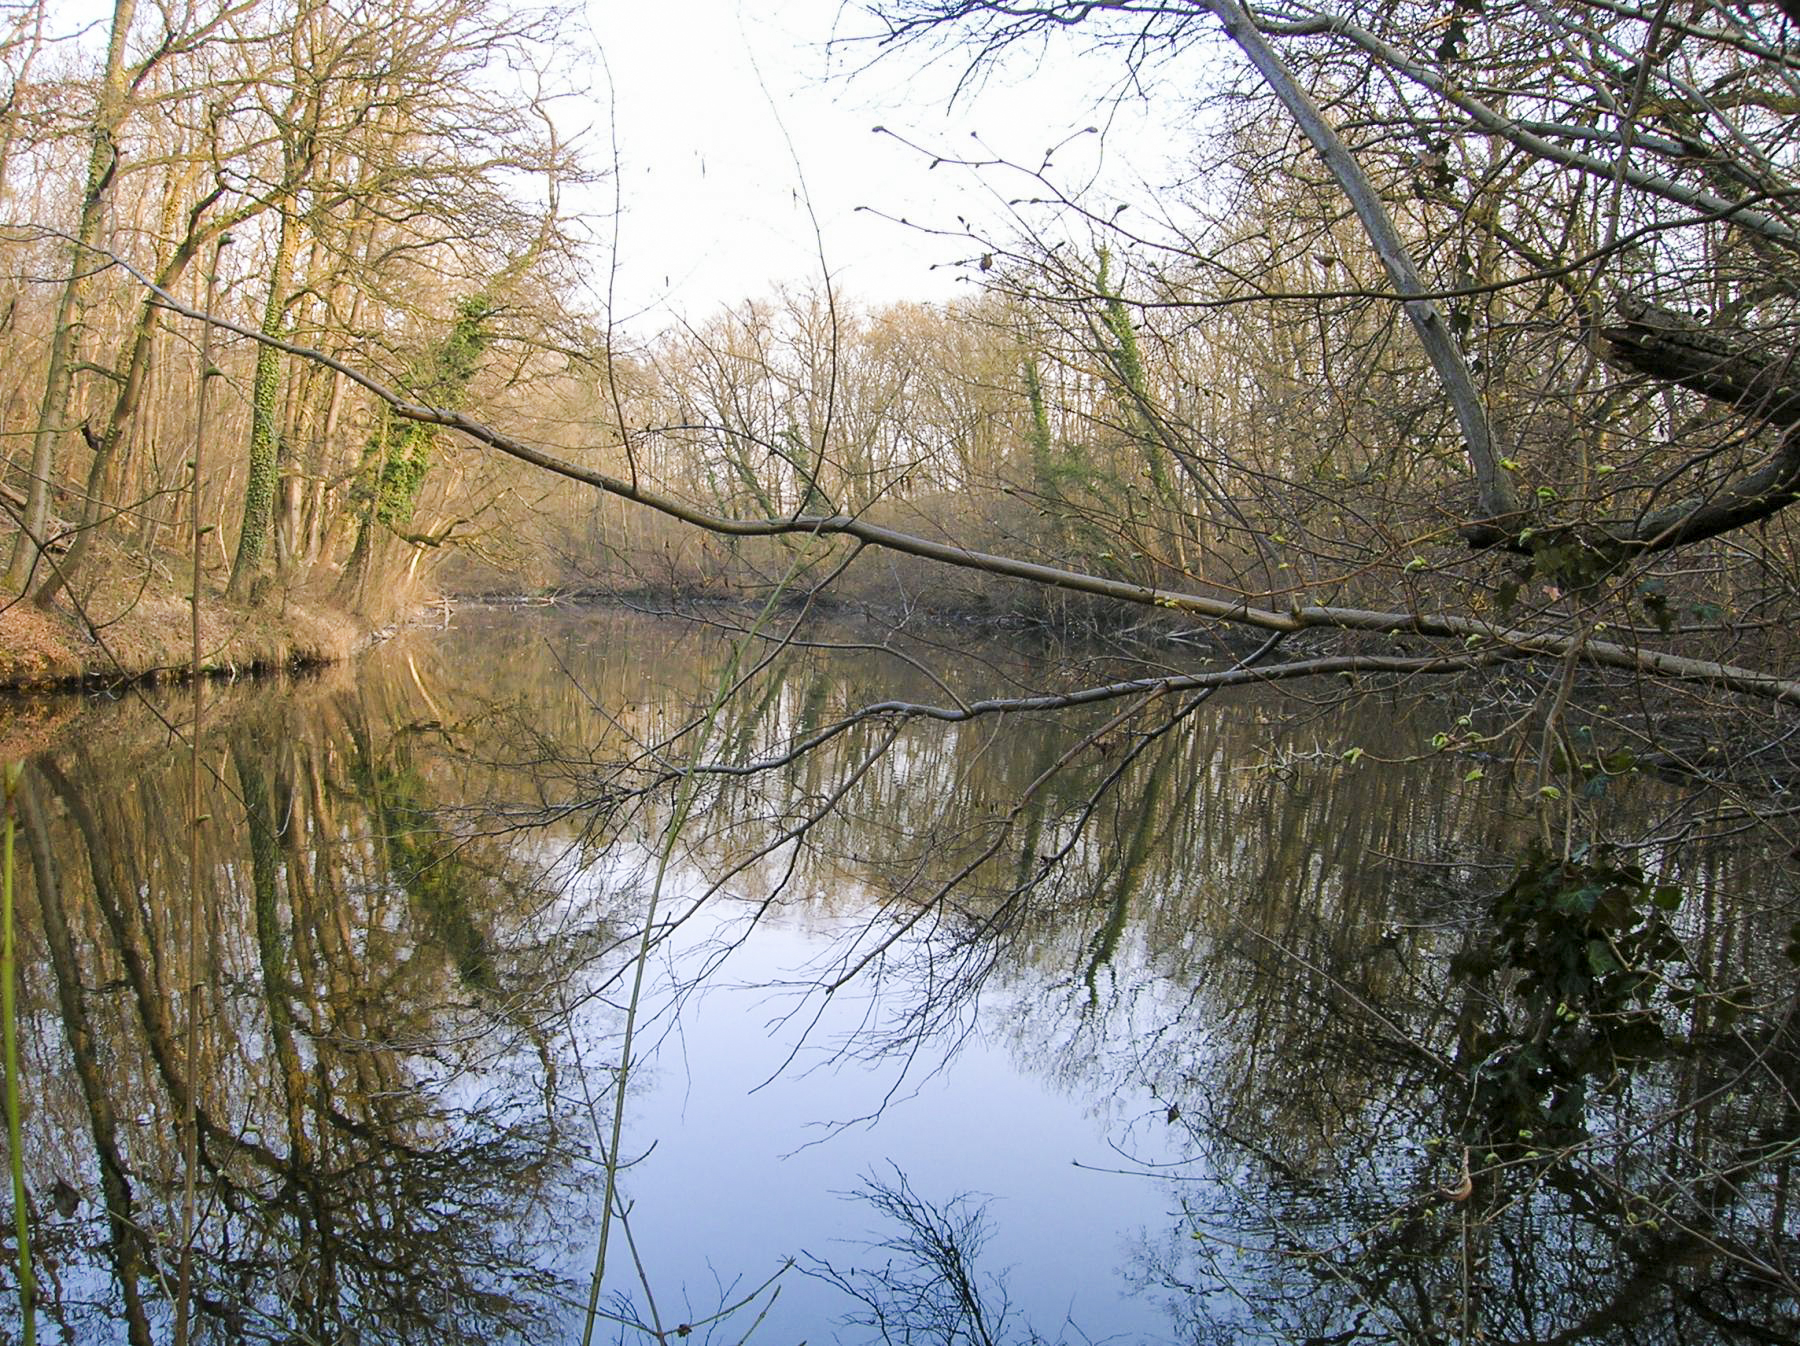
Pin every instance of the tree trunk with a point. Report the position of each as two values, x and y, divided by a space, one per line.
125 406
59 379
265 395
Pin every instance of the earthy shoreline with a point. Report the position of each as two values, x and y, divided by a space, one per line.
151 640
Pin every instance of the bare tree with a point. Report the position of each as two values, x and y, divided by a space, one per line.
109 113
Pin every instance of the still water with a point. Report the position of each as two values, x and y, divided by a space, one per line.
1143 1022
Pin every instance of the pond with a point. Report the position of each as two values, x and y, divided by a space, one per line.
1144 1021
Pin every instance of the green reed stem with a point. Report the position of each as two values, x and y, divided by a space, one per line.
190 1112
9 1028
684 801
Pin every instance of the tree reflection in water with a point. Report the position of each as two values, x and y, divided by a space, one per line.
373 1168
1490 1145
1301 988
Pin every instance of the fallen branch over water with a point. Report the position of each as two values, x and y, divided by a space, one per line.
1508 641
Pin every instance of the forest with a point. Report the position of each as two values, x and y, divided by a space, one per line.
1443 337
1454 367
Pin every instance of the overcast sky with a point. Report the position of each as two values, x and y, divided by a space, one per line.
729 114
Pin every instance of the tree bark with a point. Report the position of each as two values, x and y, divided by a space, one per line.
125 405
1496 500
1737 368
59 378
262 469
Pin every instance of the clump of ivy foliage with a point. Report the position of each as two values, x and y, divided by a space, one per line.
1588 981
399 452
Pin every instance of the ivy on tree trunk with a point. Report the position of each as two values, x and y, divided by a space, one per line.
265 395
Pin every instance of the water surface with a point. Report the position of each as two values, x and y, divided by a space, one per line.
1174 1016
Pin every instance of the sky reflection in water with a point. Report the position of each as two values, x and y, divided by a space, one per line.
757 1148
423 882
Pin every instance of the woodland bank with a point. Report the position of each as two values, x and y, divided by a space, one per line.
150 638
